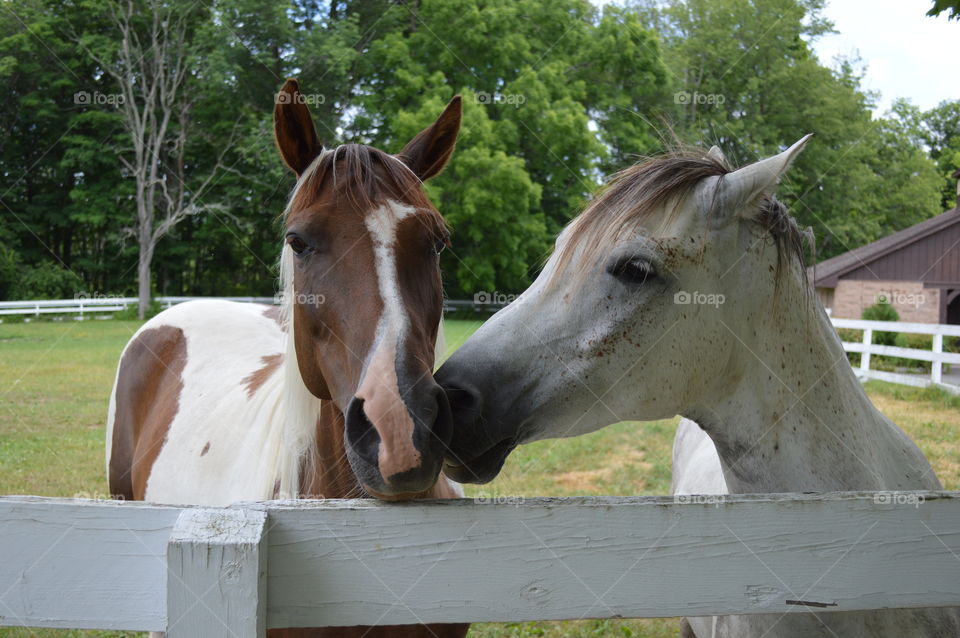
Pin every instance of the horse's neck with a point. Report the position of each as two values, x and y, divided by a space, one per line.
797 418
327 474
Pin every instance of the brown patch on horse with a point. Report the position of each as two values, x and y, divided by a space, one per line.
148 391
273 312
206 448
254 380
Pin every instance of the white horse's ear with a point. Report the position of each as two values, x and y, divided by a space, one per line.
750 183
716 154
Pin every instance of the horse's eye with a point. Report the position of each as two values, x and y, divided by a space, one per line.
634 270
440 243
298 246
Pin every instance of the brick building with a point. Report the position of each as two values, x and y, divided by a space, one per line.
917 270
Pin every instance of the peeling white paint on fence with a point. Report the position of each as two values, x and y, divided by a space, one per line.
235 571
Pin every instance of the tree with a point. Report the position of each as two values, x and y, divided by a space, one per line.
745 77
155 65
941 133
950 7
534 75
62 196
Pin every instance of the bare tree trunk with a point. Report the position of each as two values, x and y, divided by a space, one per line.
150 65
143 281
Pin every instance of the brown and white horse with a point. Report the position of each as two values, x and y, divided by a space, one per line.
330 396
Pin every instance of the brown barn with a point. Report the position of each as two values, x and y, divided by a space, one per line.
916 269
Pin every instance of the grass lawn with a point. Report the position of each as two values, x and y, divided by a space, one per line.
55 379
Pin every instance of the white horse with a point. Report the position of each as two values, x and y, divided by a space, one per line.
681 290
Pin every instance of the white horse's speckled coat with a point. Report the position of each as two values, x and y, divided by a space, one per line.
726 331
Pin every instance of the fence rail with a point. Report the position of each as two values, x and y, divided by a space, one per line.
84 307
936 356
236 571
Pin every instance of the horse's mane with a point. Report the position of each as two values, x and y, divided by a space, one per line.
658 185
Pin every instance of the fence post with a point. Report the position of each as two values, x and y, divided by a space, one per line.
936 368
867 342
216 574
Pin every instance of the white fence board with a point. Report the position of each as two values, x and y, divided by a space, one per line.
83 564
353 563
101 565
935 356
216 581
897 326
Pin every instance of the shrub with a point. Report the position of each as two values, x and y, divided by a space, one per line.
882 312
45 281
130 312
8 271
851 335
918 342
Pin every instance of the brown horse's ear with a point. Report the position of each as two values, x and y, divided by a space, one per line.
293 129
430 150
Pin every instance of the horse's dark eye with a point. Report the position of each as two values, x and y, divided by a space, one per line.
296 244
440 243
634 270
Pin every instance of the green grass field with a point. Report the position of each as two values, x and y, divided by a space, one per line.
55 379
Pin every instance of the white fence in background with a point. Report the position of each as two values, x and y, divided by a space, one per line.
84 306
103 306
936 356
237 571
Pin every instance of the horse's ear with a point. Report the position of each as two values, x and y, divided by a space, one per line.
716 154
751 183
293 128
428 153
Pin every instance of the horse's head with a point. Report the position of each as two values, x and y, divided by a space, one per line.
636 316
362 283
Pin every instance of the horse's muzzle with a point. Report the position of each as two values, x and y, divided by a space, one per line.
391 464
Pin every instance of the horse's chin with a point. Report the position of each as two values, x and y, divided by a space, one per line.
403 496
480 469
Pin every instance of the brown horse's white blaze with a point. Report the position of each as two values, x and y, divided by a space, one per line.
331 397
380 392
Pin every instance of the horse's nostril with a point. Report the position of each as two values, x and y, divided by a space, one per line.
361 436
464 402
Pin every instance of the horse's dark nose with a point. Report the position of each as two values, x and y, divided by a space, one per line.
481 442
399 449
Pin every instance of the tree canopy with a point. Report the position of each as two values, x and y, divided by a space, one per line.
557 95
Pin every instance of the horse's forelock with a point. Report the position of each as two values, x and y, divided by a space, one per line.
360 175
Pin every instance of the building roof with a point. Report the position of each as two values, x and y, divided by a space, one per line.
826 273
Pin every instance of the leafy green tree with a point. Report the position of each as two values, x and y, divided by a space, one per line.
62 198
529 72
556 95
941 133
950 7
745 77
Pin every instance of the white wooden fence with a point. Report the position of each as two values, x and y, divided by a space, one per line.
936 356
83 306
236 571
